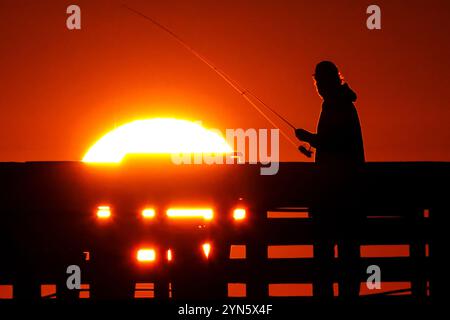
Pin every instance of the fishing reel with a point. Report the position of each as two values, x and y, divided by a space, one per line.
307 152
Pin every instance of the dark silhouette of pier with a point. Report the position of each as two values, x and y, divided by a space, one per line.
48 222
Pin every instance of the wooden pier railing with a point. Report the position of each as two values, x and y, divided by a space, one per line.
48 222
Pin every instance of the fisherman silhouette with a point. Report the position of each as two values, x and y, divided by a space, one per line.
339 158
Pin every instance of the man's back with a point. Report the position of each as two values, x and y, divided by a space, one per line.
339 137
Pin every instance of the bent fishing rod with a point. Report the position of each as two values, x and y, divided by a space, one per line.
246 94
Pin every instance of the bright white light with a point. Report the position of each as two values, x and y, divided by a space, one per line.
148 213
239 214
146 255
181 213
156 136
206 249
103 212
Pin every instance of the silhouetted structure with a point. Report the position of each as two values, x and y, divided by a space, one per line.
48 221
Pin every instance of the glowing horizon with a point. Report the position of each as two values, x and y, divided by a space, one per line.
156 136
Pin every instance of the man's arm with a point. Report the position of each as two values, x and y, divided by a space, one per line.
306 136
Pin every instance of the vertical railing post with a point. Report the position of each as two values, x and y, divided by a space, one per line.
257 287
418 256
438 257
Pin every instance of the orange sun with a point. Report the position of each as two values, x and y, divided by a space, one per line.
156 136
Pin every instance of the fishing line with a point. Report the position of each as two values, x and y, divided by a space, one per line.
243 92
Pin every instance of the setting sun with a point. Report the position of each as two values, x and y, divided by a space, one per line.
156 136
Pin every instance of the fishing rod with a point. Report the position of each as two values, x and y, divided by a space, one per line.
242 91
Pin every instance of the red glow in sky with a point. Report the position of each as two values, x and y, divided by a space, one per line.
62 89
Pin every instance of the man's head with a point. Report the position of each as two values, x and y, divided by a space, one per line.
326 78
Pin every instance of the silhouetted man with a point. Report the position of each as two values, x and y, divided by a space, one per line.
339 156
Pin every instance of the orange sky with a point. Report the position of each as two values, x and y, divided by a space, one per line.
61 90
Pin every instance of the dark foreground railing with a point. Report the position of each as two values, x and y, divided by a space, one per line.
49 222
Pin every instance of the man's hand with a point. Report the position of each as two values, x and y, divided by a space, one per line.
303 135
